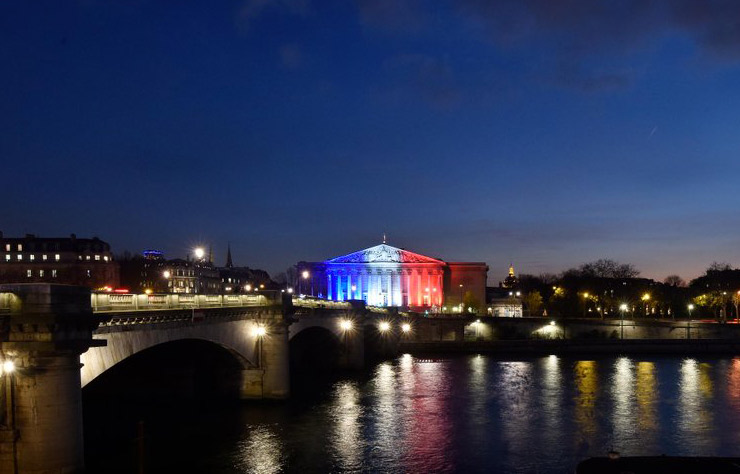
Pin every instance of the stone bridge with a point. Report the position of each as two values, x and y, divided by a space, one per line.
56 339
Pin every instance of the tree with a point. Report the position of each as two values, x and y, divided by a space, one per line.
607 268
674 280
533 302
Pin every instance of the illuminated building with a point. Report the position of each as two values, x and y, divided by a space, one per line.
65 260
388 276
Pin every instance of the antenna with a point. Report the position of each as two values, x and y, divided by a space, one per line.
384 239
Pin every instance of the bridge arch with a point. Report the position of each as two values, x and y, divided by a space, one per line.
236 336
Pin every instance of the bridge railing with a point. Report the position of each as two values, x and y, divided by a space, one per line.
102 302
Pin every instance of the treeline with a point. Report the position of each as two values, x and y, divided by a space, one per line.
606 288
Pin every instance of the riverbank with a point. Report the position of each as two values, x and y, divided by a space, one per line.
565 346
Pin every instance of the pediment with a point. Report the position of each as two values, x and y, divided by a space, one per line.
384 253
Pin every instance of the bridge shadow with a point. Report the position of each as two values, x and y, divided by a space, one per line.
314 357
187 369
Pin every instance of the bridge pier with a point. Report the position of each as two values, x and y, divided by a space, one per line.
45 328
271 378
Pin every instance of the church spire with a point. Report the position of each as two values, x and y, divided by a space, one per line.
511 270
229 263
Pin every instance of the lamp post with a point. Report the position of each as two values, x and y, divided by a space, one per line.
461 298
622 308
688 325
306 275
259 332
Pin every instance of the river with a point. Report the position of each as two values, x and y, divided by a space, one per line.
472 413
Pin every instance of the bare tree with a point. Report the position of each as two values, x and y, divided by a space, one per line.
674 280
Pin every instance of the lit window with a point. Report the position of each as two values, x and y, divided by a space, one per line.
20 257
87 257
41 273
7 247
7 258
29 273
105 257
97 257
53 273
32 257
20 247
56 257
43 257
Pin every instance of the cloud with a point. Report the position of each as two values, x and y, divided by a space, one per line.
291 56
251 10
394 15
430 78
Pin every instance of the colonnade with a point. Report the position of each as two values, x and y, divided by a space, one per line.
384 286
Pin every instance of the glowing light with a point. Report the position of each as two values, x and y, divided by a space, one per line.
646 297
199 253
290 290
259 331
8 367
691 306
585 295
405 327
384 326
552 323
345 324
166 274
262 285
518 293
148 291
247 287
305 274
120 290
623 307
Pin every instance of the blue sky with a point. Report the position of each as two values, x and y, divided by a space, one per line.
541 133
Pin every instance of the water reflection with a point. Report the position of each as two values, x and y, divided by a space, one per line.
647 395
623 416
429 422
388 433
694 417
515 388
261 451
347 441
551 404
587 384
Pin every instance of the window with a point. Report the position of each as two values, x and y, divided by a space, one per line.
41 273
20 257
32 257
7 247
53 273
43 257
29 273
20 247
87 257
105 257
56 257
7 257
97 258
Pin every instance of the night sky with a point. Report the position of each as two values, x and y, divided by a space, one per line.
541 133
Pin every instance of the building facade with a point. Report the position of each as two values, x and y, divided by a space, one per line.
65 260
388 276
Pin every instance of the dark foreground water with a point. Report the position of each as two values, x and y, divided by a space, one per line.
451 414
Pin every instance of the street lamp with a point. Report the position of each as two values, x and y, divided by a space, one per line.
461 298
384 326
166 274
354 289
688 325
259 332
406 327
199 253
346 325
622 308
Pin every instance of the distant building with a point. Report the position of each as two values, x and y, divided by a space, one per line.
388 276
153 272
511 281
505 300
63 260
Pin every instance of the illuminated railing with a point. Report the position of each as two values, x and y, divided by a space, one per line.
104 302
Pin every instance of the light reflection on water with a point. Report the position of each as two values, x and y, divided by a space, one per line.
487 414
